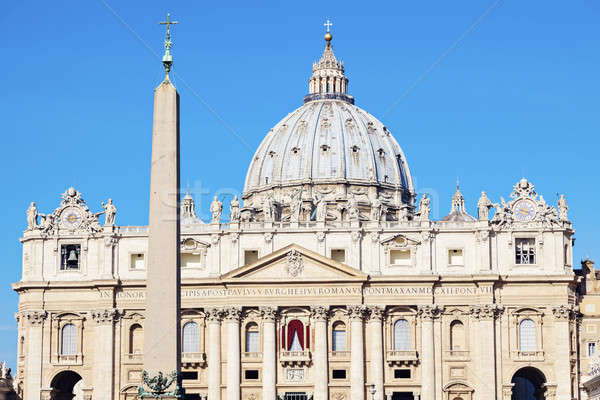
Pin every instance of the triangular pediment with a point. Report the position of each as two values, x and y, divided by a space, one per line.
294 263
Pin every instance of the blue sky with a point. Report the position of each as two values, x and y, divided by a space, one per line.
489 91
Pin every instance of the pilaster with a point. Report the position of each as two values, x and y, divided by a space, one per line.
214 317
232 320
562 364
319 315
269 369
356 314
33 378
428 382
104 347
375 326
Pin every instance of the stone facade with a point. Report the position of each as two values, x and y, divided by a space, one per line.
318 286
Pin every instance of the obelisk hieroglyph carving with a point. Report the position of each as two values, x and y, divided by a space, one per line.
162 343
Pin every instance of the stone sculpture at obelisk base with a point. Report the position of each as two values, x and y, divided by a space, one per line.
162 343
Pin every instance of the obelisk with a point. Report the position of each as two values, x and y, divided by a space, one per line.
162 343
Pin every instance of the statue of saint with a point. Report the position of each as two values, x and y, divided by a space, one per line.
234 210
424 208
110 211
376 210
32 216
563 209
321 214
353 212
268 209
483 207
295 204
216 208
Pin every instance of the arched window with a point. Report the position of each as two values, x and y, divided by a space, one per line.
338 340
68 340
457 336
191 338
22 346
136 339
401 335
295 335
252 338
527 338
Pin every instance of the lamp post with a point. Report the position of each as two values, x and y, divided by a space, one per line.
372 390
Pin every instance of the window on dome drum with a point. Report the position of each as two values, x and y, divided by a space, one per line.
525 251
191 260
338 340
191 338
455 257
400 257
591 349
402 374
252 338
68 340
136 339
527 336
251 374
338 255
401 335
138 261
250 256
69 256
338 374
457 336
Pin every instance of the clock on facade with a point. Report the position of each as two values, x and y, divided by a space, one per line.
524 210
70 218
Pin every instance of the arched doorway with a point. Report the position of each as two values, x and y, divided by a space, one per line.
528 384
63 385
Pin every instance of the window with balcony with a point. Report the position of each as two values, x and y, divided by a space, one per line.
68 340
252 338
401 335
527 335
295 336
69 257
525 251
191 338
338 340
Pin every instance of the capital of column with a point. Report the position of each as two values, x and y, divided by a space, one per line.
562 311
34 317
105 316
430 311
375 313
356 312
268 313
319 313
486 311
214 315
233 314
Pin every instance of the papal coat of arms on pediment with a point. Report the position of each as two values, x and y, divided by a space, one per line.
294 263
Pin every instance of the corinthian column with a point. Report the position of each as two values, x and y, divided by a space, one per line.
486 382
376 348
213 317
356 314
33 362
562 364
319 319
232 320
269 368
428 313
104 345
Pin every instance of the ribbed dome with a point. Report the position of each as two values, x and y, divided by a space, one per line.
328 141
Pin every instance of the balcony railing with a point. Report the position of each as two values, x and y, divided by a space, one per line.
133 358
402 357
68 359
339 355
251 356
193 359
534 355
293 358
457 355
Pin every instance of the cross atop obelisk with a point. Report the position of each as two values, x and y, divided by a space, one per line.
167 59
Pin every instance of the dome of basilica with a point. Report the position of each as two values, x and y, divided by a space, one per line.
330 141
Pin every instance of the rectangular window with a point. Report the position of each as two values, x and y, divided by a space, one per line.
525 251
189 375
455 257
591 349
69 256
191 260
251 374
338 255
250 256
590 308
138 261
338 374
252 341
402 374
400 257
339 340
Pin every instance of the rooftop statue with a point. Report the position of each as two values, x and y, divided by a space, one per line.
216 209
